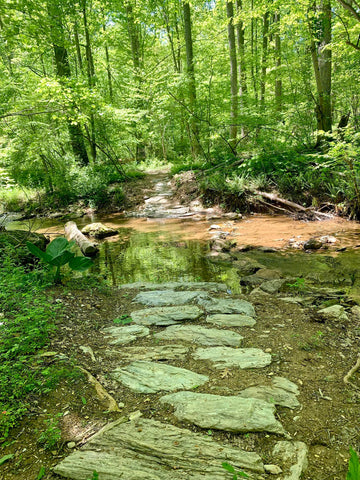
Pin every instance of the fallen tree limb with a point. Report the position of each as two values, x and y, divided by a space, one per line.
73 233
295 206
103 395
351 372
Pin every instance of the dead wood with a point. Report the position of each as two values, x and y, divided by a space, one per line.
73 233
103 395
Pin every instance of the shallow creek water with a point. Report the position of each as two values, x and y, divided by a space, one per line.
160 250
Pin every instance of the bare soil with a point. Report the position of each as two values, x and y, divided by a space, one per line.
314 355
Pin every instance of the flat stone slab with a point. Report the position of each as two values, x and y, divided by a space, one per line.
231 414
200 335
180 286
163 316
231 320
150 377
234 357
161 298
271 394
161 352
148 449
227 305
126 334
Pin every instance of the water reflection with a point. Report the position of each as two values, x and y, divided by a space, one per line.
153 257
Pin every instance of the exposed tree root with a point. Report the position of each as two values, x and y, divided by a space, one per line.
351 372
103 395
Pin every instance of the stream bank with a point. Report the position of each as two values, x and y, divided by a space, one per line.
285 294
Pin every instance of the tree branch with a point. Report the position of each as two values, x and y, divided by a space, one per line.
350 9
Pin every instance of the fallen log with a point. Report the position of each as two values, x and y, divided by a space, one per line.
73 233
295 206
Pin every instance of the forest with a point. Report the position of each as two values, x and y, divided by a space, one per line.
251 94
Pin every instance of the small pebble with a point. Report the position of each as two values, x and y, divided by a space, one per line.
272 469
71 445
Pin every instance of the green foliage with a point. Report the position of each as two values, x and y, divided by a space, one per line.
27 321
41 473
123 320
58 254
298 285
95 476
50 437
354 466
236 474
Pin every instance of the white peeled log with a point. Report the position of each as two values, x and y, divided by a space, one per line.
88 248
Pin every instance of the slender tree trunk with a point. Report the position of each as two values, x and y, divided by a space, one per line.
8 55
321 59
63 71
264 59
278 81
134 35
190 73
77 45
91 77
241 48
233 75
253 46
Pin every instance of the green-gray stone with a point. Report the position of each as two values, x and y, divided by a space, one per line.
150 377
166 315
148 449
231 414
231 320
200 335
234 357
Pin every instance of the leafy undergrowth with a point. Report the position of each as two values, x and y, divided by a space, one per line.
26 321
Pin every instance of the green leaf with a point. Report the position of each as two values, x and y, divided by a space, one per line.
62 259
354 466
228 467
80 264
41 473
57 246
83 400
37 252
5 458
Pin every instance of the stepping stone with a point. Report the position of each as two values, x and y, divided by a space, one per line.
231 320
166 315
271 394
292 456
126 334
160 298
148 449
234 357
162 352
149 377
231 414
335 312
200 335
227 305
285 384
207 286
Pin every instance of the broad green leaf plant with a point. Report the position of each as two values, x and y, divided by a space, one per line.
58 253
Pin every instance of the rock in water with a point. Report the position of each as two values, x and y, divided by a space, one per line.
148 449
98 230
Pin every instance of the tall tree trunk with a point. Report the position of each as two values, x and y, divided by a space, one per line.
321 59
63 71
233 75
190 73
240 31
77 44
253 46
278 81
264 59
91 77
134 35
